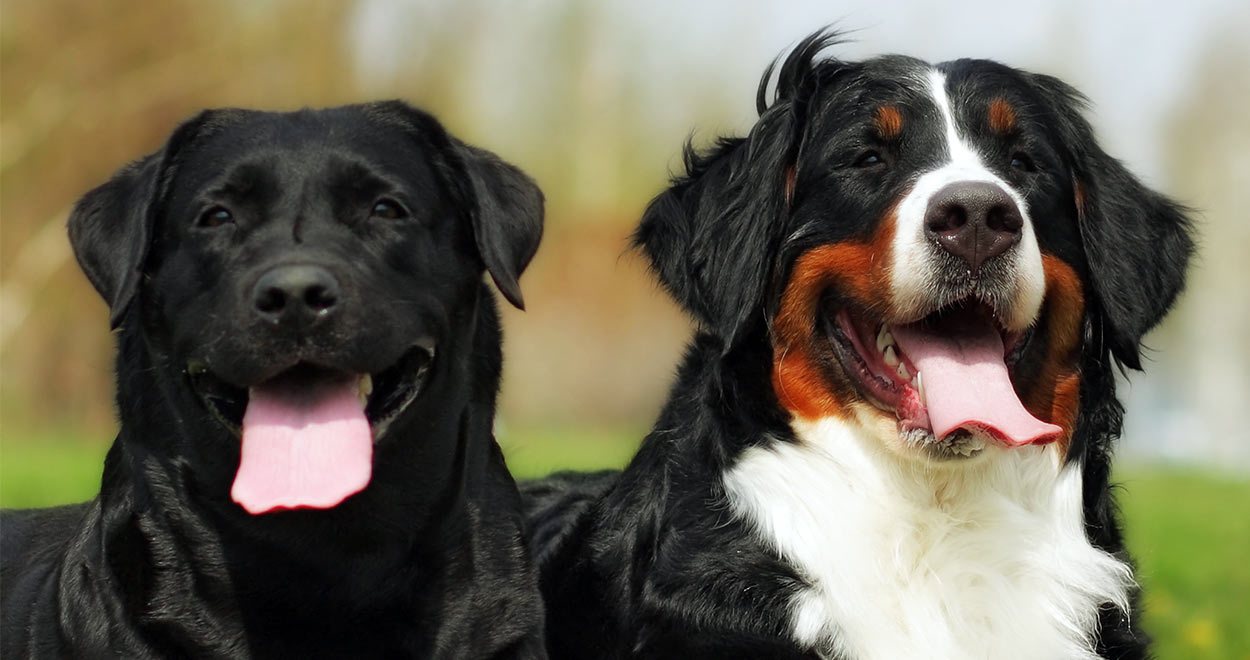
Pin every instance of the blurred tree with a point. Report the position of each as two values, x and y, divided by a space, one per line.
1208 143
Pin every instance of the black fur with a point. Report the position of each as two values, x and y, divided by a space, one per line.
649 562
429 559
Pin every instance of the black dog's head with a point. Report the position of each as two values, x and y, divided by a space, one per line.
938 253
304 275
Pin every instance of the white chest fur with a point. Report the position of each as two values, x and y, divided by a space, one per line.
985 560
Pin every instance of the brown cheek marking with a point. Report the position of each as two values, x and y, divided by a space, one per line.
1054 395
800 359
888 122
1002 116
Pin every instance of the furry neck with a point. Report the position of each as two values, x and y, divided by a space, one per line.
984 559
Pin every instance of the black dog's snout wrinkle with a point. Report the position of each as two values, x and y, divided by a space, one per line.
973 220
296 296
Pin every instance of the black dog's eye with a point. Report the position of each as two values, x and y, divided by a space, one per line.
1021 161
388 209
869 159
215 217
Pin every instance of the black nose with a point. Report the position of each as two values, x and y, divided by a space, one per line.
973 220
296 296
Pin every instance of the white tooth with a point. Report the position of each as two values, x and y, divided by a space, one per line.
903 372
366 384
884 339
891 358
920 388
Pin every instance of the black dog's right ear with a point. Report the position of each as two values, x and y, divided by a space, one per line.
110 228
109 231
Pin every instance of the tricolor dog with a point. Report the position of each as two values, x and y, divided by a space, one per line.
890 436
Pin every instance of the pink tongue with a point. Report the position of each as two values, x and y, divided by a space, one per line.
966 383
303 449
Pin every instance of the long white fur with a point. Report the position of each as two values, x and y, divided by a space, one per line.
913 254
980 559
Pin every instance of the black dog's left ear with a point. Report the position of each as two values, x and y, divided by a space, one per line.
508 221
1138 243
505 205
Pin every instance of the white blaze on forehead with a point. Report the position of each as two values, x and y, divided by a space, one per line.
912 281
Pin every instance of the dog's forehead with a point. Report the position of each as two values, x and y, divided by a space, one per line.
295 146
897 93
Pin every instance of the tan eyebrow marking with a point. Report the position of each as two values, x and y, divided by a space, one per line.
888 122
1002 116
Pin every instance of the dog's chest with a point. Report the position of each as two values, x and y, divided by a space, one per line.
986 561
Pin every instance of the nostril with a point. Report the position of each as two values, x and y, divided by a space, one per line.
946 217
1001 218
320 298
270 300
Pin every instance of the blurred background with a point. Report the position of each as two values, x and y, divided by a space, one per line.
595 100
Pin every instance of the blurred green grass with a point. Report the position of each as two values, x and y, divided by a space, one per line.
1188 529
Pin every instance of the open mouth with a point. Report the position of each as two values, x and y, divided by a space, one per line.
383 396
308 433
947 377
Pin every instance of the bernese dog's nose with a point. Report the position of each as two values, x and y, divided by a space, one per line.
973 220
295 296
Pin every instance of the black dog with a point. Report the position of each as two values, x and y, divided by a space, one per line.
890 438
307 368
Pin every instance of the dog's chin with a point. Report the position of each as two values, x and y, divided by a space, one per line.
957 450
384 395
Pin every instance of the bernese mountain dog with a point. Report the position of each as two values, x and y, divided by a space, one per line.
890 437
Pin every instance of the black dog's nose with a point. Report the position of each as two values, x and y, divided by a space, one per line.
973 220
295 295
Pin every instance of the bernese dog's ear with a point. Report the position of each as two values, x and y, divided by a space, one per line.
712 238
110 228
1137 242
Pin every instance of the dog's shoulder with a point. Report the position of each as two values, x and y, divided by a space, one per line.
35 536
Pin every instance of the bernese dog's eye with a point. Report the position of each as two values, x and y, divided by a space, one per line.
388 209
869 159
1021 161
215 216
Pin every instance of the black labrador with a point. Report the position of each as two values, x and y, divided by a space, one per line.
308 360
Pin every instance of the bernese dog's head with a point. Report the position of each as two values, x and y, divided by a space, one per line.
941 254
